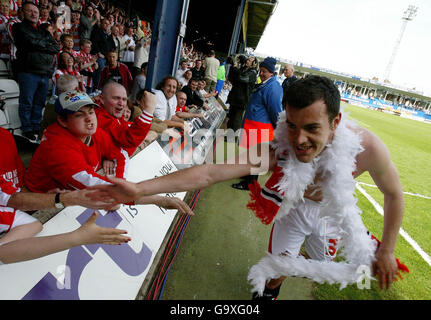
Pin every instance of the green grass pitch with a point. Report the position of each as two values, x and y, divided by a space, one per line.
409 143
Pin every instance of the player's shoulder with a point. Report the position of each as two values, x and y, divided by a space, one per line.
372 143
375 154
369 141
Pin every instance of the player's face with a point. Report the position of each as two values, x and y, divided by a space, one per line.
82 123
309 129
115 100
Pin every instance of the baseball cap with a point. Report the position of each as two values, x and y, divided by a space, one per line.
71 101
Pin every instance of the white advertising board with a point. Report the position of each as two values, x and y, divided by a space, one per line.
98 271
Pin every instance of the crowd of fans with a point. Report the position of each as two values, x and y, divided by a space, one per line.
100 44
83 100
407 104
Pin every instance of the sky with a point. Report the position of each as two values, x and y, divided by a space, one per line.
353 36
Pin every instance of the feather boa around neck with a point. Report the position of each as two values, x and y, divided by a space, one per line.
335 166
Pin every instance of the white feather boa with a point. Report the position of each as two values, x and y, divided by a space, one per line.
336 165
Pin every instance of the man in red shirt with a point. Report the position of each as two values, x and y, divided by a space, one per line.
116 71
183 110
110 117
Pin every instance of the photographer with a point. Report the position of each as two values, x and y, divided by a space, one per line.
242 76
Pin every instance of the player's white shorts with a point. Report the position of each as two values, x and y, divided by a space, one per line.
11 218
304 224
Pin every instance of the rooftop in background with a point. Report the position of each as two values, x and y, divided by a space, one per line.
300 66
212 29
256 16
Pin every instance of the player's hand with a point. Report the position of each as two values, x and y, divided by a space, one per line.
174 203
120 190
385 267
314 191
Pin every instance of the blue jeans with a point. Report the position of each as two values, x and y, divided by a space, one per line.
33 90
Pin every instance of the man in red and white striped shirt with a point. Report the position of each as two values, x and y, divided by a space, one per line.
4 35
88 64
10 24
75 16
14 6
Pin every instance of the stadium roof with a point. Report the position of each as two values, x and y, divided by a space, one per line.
256 16
213 28
351 80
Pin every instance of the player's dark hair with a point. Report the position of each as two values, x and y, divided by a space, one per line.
304 92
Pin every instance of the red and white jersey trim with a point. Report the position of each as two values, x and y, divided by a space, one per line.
146 117
87 179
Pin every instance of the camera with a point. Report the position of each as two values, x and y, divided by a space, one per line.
238 59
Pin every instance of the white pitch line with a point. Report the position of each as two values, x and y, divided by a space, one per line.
404 234
405 192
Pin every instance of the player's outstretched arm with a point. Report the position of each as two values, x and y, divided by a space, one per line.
36 247
258 159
